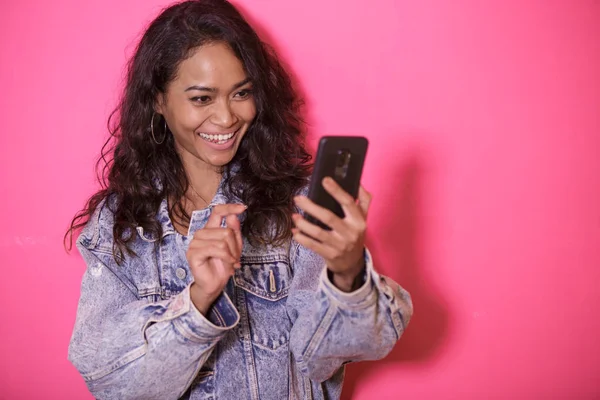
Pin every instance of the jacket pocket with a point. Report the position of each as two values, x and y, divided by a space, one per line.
265 281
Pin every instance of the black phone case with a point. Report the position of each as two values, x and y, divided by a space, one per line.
331 151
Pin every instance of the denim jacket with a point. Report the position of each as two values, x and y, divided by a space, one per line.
280 329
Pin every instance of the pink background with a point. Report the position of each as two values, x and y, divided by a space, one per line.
484 122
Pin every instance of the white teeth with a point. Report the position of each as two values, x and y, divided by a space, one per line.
217 138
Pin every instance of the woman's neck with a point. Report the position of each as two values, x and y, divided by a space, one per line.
204 181
202 190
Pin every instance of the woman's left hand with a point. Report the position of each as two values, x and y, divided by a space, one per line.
343 246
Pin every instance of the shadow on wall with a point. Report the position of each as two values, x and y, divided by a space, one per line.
401 238
267 38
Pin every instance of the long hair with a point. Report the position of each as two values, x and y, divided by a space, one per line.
273 162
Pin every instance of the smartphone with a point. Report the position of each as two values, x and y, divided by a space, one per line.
341 158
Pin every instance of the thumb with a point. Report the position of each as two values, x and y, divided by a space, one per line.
364 200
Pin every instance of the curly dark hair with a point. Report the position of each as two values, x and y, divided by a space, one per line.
274 163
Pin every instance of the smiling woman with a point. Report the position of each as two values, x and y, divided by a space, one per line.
209 106
201 282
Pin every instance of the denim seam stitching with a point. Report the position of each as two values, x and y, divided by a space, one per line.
320 332
131 356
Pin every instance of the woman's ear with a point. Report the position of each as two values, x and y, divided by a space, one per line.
159 104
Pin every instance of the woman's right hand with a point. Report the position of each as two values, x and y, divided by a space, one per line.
214 254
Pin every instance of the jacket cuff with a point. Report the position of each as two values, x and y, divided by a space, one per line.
222 317
361 297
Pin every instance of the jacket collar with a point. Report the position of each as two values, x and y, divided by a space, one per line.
198 218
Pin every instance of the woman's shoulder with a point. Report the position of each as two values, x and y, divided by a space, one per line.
98 230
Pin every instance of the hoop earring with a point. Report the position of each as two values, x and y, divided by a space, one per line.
152 130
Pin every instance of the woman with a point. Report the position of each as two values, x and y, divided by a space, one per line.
202 279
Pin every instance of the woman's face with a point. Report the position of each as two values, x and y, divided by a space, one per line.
208 106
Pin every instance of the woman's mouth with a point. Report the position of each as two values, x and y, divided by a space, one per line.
220 138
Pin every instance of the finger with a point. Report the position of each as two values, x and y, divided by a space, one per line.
320 213
331 238
221 268
226 234
364 200
201 251
221 211
233 223
325 251
347 202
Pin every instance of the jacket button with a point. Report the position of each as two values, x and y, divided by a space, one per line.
180 273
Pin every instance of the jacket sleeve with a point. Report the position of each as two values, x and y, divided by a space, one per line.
331 327
127 347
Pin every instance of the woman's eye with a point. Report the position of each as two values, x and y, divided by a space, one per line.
201 99
243 93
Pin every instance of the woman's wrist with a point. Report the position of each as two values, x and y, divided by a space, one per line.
349 281
201 300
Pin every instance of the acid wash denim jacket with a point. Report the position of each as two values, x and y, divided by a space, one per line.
280 329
